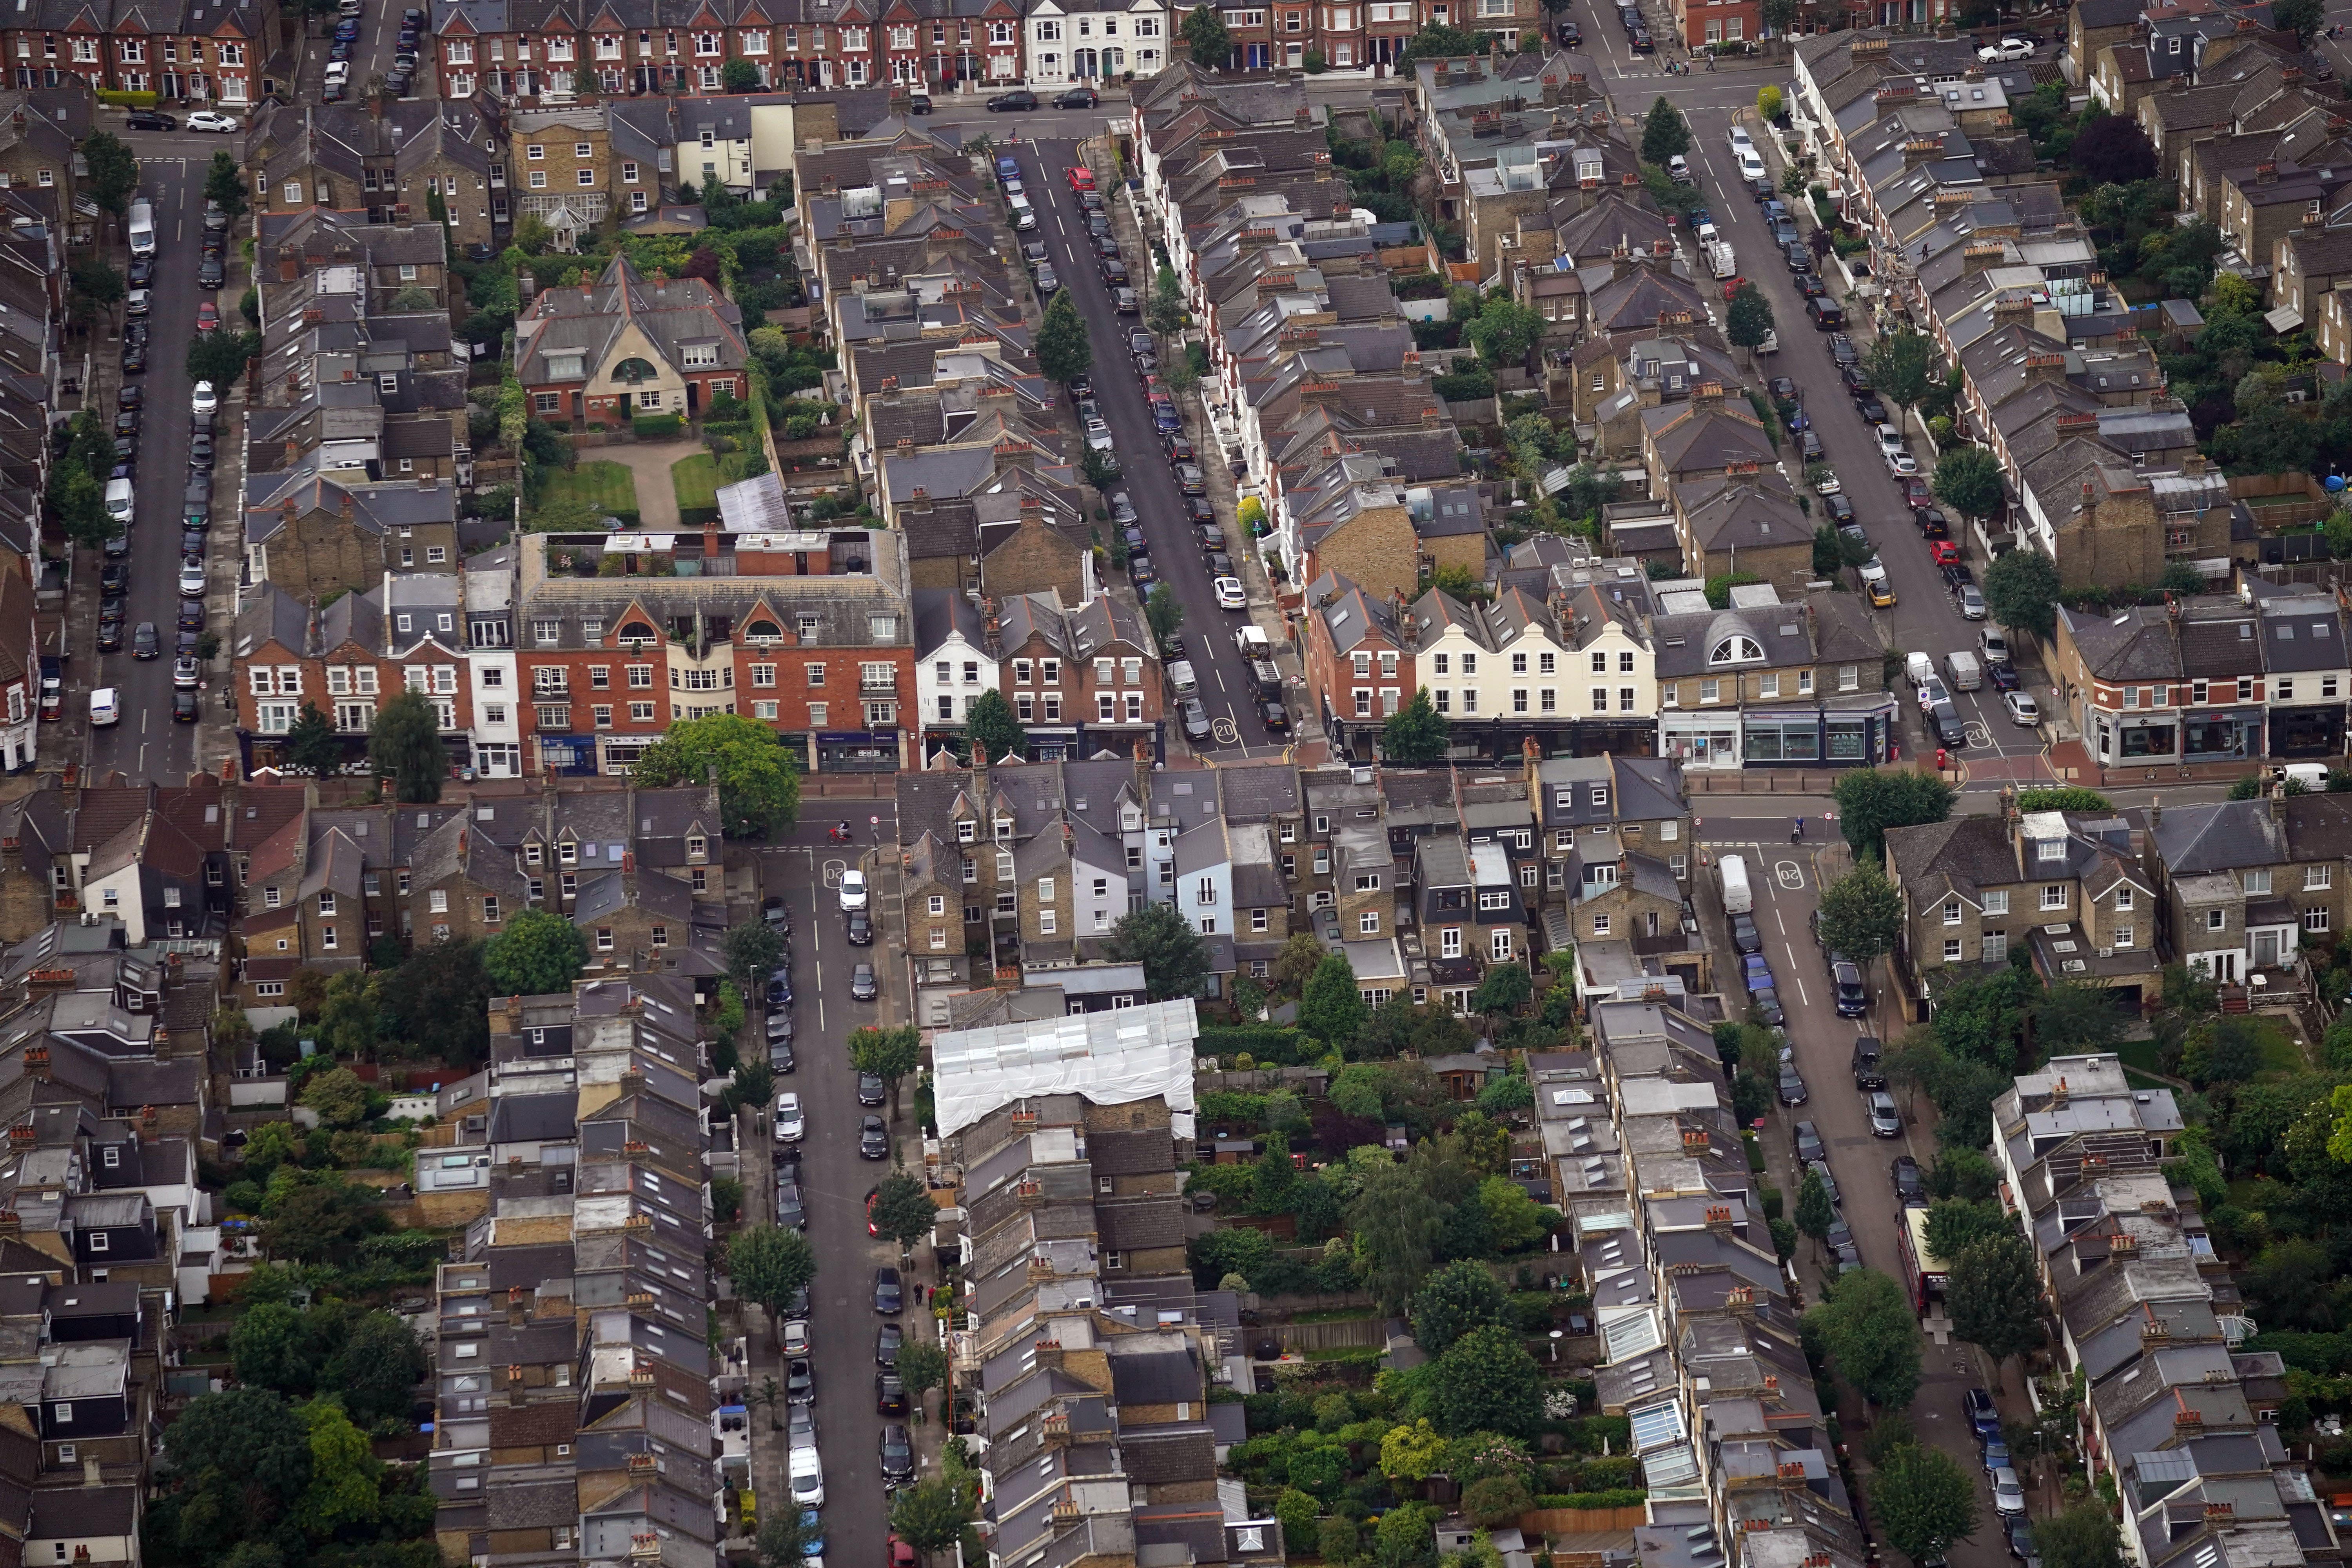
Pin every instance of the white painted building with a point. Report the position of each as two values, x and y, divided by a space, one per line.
1078 43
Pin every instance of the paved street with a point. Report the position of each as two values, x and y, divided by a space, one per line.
835 1181
1150 483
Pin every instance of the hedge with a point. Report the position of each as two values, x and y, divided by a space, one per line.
2324 1354
126 100
1266 1042
1626 1497
659 426
696 516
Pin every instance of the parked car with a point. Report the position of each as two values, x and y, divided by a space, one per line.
889 1393
1745 937
206 119
898 1449
1231 596
151 120
861 984
1010 102
889 1295
2022 708
1078 98
1809 1144
792 1124
1910 1187
1792 1084
853 889
870 1090
1885 1122
861 928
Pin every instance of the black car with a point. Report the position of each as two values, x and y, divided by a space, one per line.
1827 315
1782 388
192 616
1204 526
151 120
184 707
1768 1005
1570 36
890 1394
141 273
1857 383
1745 937
873 1140
1870 408
790 1210
1006 102
887 1341
1114 273
1809 286
1840 508
1909 1184
114 577
898 1457
889 1295
1076 98
1841 350
109 634
861 928
869 1089
780 1056
145 643
210 273
134 357
126 424
1810 446
777 915
1275 715
119 545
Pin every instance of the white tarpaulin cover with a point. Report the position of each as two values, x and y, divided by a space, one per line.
1115 1057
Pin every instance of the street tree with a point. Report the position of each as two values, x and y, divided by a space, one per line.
1861 915
2083 1536
922 1366
1486 1381
113 171
1779 15
1098 468
1332 1008
1664 133
1872 800
770 1265
752 1083
1995 1298
219 357
903 1209
1458 1298
1968 480
1866 1322
931 1515
785 1538
1902 365
759 783
404 745
225 184
1161 939
753 949
1815 1213
1416 733
2020 589
311 745
1923 1501
888 1054
1163 612
95 286
1956 1223
1166 315
1206 38
1063 352
1748 318
992 730
539 953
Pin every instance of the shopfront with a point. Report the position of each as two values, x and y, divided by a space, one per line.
2221 734
1706 739
2124 739
1811 737
567 754
858 752
2307 733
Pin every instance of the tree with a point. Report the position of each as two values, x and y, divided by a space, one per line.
2074 1019
739 76
1923 1501
1338 1541
1956 1223
1163 612
2085 1536
539 953
1205 37
888 1054
219 357
224 183
113 172
338 1096
759 783
319 1220
1767 102
1492 1500
1504 333
1968 480
922 1366
241 1438
1395 1226
1295 963
903 1209
1872 800
1902 365
1458 1298
1415 732
1779 15
1298 1514
1748 317
1412 1451
378 1369
1665 134
404 744
994 733
77 504
1486 1381
312 745
2021 588
1164 942
1506 989
783 1541
1866 1324
753 949
770 1265
436 1000
753 1082
1063 352
270 1347
1332 1008
1995 1299
2112 149
1166 314
1099 469
1861 915
1815 1213
1435 41
95 286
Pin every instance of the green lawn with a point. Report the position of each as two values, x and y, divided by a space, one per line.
696 479
605 487
2140 1053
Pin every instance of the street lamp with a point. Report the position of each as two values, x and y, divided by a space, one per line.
1556 1336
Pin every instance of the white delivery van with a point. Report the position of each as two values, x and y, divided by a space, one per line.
1738 899
105 706
1920 668
142 228
1720 259
2311 776
120 500
1966 674
1252 641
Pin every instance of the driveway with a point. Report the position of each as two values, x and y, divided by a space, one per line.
649 463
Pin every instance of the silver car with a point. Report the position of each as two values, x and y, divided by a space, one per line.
1885 1122
2021 708
1973 604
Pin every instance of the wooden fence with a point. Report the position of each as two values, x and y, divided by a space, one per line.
1298 1338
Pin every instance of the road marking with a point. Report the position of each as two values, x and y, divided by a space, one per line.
1789 875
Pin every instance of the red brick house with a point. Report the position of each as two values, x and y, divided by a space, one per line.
196 55
627 346
1359 654
407 633
1079 680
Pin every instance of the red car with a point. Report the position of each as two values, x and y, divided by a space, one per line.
1944 552
1731 286
207 317
870 1228
1081 178
901 1555
1915 493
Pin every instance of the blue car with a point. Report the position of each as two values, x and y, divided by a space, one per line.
812 1533
1755 972
1008 169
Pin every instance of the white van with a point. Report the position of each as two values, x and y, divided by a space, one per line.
1738 897
1920 668
142 228
105 706
119 499
1965 673
1024 217
2311 776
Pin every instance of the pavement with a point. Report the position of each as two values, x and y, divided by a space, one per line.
805 870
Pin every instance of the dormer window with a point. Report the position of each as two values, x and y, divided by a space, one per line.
1003 829
567 853
2050 850
1736 650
